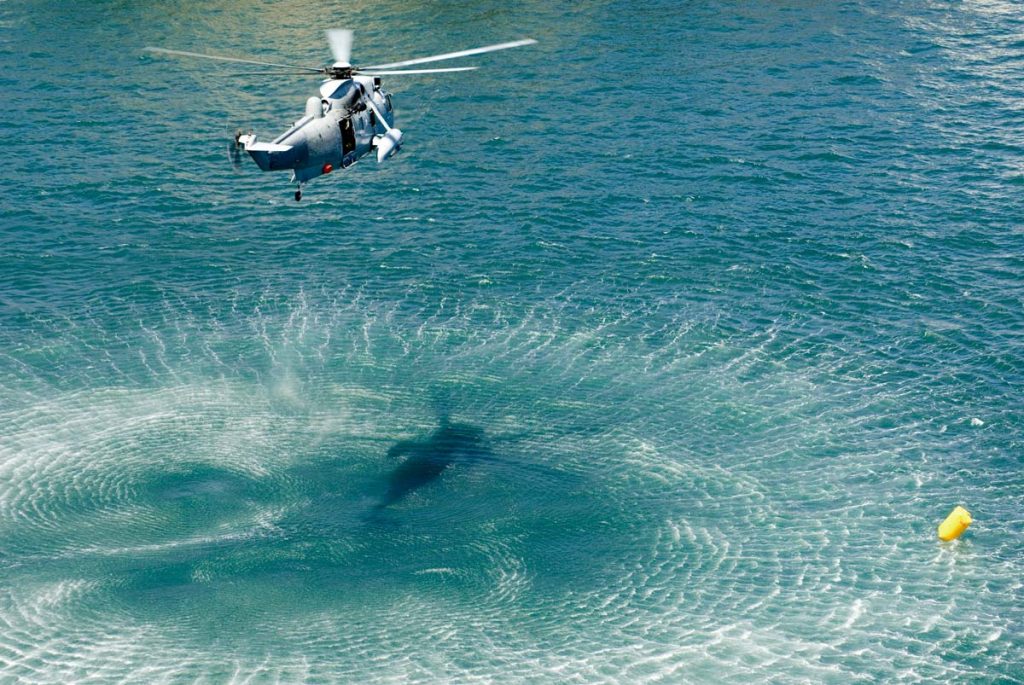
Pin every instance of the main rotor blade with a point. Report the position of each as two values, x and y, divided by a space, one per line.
272 73
453 55
182 53
341 44
387 72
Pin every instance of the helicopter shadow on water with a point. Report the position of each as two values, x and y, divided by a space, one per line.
356 521
421 462
411 481
344 532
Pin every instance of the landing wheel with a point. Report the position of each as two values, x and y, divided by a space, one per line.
298 195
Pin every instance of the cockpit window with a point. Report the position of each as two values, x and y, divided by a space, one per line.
387 102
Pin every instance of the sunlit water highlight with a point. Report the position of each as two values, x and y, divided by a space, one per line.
724 301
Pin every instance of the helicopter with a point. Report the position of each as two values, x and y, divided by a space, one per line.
351 116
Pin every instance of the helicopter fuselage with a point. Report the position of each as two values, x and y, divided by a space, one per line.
350 118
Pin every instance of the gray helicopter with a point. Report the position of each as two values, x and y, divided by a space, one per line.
351 116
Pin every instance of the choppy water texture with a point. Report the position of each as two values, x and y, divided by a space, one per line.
656 356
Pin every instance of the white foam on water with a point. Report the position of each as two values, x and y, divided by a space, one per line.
440 571
767 522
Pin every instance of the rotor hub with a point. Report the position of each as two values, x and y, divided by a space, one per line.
339 72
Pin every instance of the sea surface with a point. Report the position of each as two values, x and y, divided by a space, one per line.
657 354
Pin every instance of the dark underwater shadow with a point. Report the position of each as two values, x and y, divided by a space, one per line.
424 461
364 521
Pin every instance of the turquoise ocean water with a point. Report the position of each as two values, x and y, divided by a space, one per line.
715 308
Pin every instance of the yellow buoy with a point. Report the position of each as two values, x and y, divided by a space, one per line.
955 524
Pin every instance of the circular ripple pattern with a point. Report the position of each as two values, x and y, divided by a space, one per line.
657 356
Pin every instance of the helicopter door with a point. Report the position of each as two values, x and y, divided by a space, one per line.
348 136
